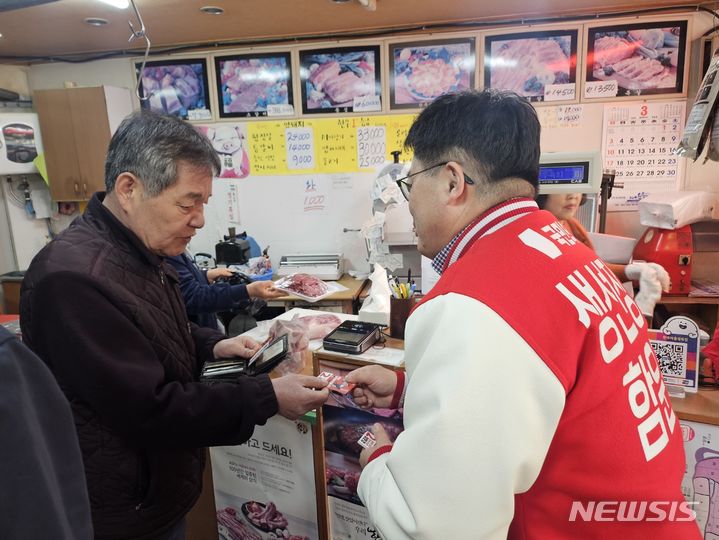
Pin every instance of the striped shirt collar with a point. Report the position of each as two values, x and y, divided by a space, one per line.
493 219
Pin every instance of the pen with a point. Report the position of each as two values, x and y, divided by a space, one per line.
409 276
412 288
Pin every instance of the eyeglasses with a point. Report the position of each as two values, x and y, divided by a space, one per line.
405 187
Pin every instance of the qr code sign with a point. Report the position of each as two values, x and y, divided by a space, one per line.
671 358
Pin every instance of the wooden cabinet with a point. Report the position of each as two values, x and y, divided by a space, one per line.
76 126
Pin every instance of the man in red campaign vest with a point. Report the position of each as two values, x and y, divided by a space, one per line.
534 407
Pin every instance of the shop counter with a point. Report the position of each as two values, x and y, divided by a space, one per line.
308 479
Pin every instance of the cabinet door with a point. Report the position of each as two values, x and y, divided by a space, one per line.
92 136
53 108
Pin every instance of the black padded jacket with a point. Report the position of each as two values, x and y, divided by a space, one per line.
106 316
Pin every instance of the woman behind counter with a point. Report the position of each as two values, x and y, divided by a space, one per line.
652 278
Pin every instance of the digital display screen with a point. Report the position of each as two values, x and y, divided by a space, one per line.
347 336
564 173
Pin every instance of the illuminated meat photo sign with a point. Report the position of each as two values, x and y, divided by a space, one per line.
533 64
421 72
643 58
251 84
175 87
340 80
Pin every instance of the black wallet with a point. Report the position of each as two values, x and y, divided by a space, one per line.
264 360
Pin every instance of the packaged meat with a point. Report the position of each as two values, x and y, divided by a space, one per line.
305 286
318 326
700 116
298 337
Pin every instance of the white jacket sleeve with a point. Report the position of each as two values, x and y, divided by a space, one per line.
480 413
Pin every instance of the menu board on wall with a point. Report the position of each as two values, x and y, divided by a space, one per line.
326 145
267 486
638 143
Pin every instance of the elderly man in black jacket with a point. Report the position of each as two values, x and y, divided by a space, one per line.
103 310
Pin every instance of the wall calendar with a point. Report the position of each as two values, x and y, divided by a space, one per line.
638 143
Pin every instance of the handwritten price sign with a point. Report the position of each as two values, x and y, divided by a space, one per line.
600 89
559 92
300 146
371 146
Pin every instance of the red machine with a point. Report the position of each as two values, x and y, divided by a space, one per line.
673 249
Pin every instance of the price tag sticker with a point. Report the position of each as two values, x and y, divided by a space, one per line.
300 145
282 109
367 440
559 92
600 89
366 104
199 114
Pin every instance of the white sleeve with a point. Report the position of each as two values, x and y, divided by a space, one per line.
480 413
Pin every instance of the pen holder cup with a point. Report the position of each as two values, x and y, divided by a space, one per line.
399 309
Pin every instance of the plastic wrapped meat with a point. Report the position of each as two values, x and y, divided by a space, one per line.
305 285
318 326
298 339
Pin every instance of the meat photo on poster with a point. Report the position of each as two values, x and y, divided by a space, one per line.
248 84
333 78
176 87
643 58
421 72
526 63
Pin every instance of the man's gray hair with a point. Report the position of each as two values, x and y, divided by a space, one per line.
149 145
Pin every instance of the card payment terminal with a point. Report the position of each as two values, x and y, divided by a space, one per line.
353 337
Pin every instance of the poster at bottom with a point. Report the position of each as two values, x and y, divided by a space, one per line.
700 486
344 423
349 521
265 488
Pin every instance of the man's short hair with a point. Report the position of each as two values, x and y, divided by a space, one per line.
149 145
497 131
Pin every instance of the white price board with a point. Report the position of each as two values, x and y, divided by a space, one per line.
300 145
371 146
638 142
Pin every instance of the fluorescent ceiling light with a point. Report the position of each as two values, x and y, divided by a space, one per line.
121 4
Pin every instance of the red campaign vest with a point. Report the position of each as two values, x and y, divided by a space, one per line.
618 439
